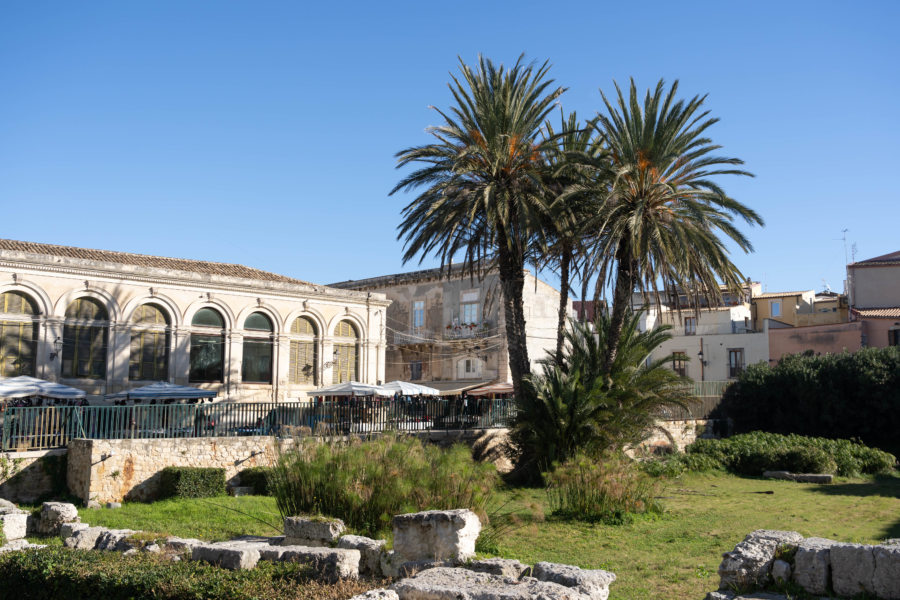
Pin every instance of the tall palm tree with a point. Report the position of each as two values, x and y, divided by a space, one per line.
483 194
664 218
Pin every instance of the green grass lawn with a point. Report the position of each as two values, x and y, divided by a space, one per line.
674 555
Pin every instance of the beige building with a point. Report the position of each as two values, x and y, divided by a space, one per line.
106 321
874 286
800 309
450 331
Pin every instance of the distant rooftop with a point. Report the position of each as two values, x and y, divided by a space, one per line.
144 260
878 313
886 259
455 270
781 294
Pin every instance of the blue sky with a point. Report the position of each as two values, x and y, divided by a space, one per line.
264 133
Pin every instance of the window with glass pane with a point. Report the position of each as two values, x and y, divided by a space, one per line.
257 362
150 314
303 362
690 326
735 362
14 303
207 358
258 322
87 309
345 359
84 351
775 308
418 316
415 370
208 317
679 362
18 347
468 313
149 358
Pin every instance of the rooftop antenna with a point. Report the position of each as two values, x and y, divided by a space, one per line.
844 238
853 252
825 285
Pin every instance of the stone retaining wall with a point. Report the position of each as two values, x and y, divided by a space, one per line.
116 470
38 474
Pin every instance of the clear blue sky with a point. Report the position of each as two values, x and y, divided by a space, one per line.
264 133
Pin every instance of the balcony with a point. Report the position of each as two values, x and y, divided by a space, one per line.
415 335
467 331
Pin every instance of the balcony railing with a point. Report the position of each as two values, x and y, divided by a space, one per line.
415 335
462 332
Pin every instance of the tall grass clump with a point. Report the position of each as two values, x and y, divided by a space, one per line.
610 489
365 483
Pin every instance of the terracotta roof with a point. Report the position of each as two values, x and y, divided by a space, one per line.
144 260
780 294
884 259
878 313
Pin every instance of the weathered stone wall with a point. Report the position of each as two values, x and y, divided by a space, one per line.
116 470
38 474
683 432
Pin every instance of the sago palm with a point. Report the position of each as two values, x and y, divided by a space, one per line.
480 179
665 218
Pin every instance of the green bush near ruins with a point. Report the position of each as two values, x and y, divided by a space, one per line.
256 478
62 573
365 483
191 482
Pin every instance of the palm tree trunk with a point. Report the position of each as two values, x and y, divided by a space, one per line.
626 276
564 263
512 283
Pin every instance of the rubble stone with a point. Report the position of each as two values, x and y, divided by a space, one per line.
304 531
886 580
331 564
812 565
7 507
852 569
116 540
14 526
370 552
226 555
379 594
54 514
436 534
457 584
504 567
593 583
84 539
781 571
748 565
67 530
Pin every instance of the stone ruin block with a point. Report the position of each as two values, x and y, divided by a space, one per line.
379 594
852 569
593 583
812 565
370 552
67 530
226 555
84 539
54 515
305 531
504 567
14 525
886 580
331 564
115 540
455 584
781 571
435 534
749 564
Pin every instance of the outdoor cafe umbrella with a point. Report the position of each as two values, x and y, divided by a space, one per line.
24 386
351 388
411 389
162 390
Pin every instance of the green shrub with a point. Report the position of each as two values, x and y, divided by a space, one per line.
832 396
54 573
257 478
611 489
191 482
675 465
366 483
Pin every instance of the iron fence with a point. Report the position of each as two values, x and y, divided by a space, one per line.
707 397
40 428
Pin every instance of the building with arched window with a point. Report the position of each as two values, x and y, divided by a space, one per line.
107 321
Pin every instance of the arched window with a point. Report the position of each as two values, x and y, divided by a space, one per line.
18 335
85 337
207 346
149 357
304 352
258 345
346 353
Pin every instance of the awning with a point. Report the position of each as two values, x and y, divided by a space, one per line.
452 388
494 388
162 390
407 388
351 388
24 386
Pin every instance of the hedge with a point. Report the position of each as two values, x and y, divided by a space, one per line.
833 396
53 573
257 478
191 482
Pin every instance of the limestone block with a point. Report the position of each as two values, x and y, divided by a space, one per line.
67 530
7 507
504 567
411 567
812 565
225 555
16 545
240 490
748 565
54 514
814 478
852 569
14 525
84 539
116 540
438 534
593 583
152 549
331 564
453 584
785 475
886 581
781 571
131 552
370 552
177 544
113 505
304 531
724 595
390 564
379 594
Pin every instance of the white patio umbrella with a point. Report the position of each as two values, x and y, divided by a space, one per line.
351 388
24 386
411 389
162 390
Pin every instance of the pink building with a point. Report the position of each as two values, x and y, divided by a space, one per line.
875 299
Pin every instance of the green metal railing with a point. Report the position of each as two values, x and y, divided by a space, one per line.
39 428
